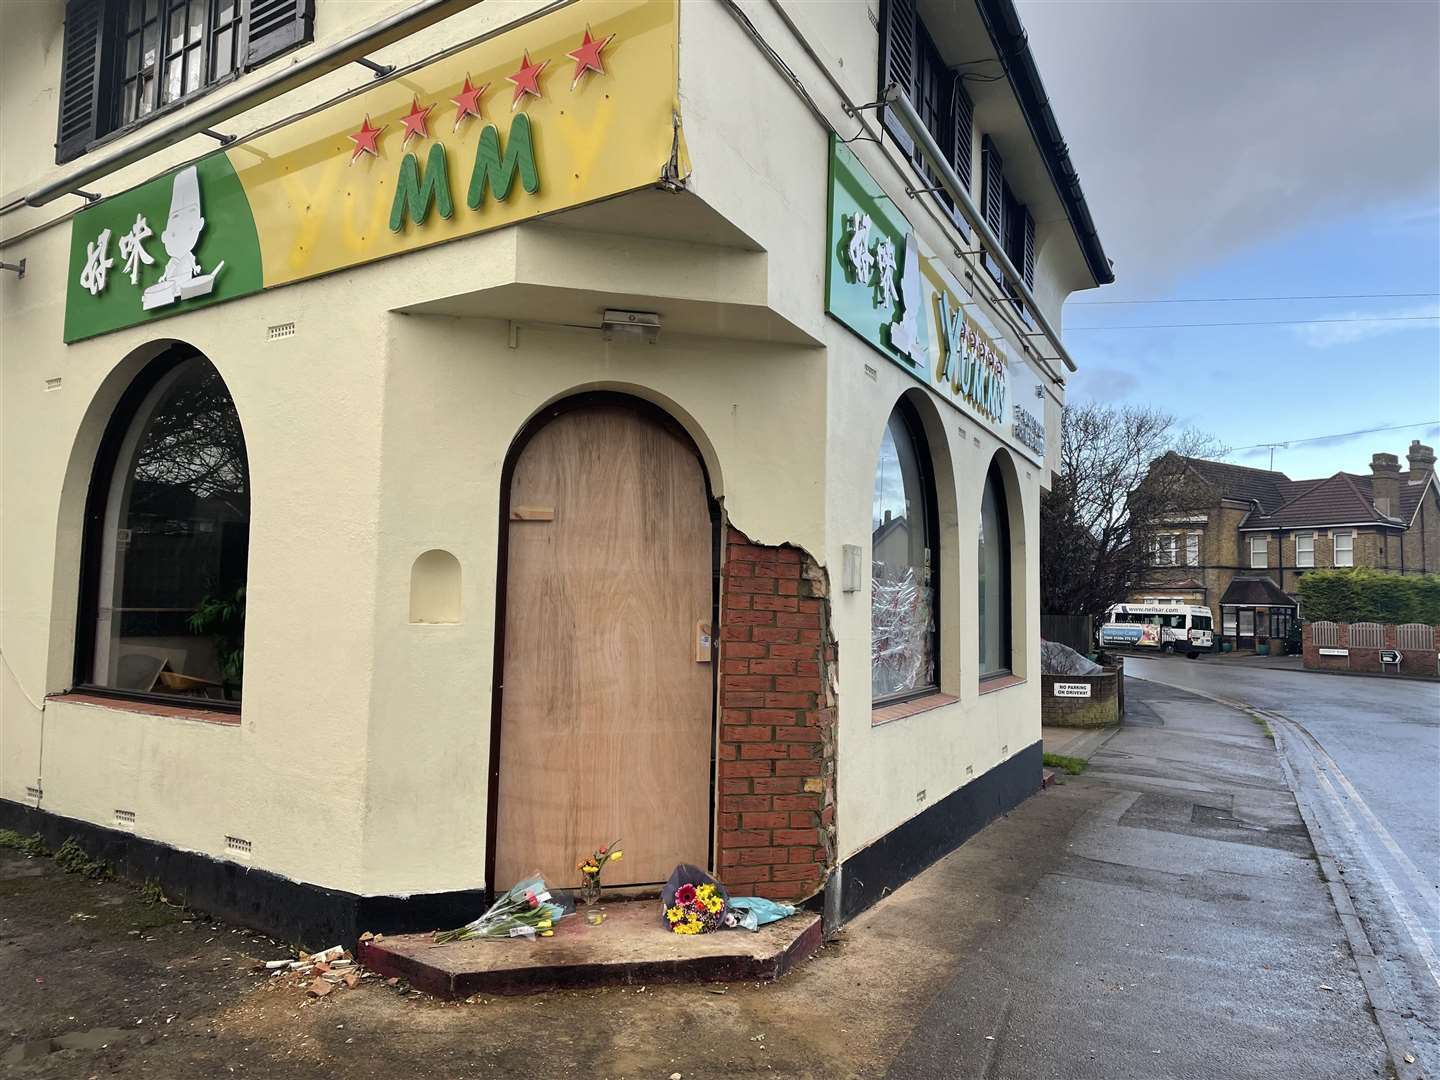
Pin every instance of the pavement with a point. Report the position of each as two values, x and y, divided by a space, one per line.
1182 930
1363 754
1162 915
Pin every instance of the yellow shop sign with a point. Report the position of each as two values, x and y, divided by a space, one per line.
573 107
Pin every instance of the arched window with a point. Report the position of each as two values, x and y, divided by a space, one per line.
994 577
903 644
167 536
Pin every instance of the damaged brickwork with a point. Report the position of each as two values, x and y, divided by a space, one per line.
777 722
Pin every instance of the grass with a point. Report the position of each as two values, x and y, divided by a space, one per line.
1072 765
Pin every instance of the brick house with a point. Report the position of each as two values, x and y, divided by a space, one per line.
1253 533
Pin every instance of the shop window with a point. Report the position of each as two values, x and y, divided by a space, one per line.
1345 548
1259 552
994 577
903 586
127 60
910 60
1305 549
167 541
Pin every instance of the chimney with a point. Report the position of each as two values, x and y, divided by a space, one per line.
1422 461
1385 483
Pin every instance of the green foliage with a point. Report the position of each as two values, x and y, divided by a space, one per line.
223 618
1365 595
73 859
26 845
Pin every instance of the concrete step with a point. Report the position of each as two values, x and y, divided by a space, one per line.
629 948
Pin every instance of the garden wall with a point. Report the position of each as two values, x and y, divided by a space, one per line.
1332 646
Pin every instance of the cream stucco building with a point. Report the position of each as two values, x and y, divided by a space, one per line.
607 418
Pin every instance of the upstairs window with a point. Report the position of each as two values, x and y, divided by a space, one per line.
126 60
1192 549
1164 549
910 60
1305 549
1345 548
1259 552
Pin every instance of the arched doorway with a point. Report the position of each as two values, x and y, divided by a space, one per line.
604 704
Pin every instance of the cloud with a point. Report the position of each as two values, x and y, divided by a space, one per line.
1101 382
1201 129
1324 335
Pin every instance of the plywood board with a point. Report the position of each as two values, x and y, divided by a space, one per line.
606 717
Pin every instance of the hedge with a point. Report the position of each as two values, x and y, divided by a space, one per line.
1365 595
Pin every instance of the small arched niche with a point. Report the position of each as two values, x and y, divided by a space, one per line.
435 588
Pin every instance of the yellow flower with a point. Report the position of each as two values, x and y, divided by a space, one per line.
674 914
544 924
547 933
704 892
590 868
714 905
614 855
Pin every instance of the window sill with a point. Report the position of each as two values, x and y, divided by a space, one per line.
1000 682
884 714
149 708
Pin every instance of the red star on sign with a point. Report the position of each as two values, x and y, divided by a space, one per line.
416 122
526 80
587 56
366 140
467 102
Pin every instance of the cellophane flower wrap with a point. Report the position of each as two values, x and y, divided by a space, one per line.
526 910
693 902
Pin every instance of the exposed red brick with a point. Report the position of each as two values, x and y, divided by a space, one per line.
728 821
767 820
744 838
738 787
797 734
746 650
764 856
783 786
792 700
792 802
763 751
796 837
745 802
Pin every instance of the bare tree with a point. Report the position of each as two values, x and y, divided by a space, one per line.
1098 520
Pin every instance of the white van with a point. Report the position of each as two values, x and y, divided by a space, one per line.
1179 628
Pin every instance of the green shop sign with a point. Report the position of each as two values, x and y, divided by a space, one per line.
883 283
185 239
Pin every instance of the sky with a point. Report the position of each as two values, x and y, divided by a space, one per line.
1258 149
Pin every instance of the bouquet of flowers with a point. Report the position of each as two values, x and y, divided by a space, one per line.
527 910
592 866
693 901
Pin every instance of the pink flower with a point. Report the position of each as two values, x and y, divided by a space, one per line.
685 895
531 898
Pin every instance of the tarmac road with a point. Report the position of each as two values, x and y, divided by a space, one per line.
1365 757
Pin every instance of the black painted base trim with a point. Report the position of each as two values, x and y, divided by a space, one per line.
308 916
938 830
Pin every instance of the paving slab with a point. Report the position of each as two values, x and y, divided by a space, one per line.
629 948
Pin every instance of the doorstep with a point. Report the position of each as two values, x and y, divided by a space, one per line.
630 947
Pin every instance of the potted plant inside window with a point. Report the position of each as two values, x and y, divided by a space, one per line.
222 618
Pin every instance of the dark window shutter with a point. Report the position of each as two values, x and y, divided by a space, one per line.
963 110
897 62
992 198
82 69
273 26
1027 266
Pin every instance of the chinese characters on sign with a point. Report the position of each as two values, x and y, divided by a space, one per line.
884 283
182 278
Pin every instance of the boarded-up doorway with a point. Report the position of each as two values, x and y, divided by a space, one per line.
606 715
